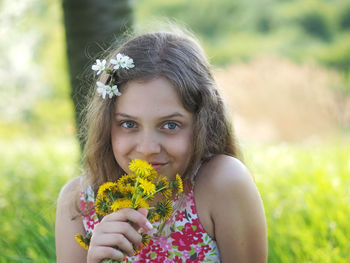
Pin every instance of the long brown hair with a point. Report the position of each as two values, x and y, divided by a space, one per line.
178 58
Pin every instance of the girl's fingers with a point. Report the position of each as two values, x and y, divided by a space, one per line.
121 228
97 254
130 215
115 240
143 211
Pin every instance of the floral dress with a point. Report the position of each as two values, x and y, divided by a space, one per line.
182 239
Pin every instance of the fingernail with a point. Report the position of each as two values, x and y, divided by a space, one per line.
149 226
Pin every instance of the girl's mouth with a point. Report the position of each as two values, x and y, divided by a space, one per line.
157 166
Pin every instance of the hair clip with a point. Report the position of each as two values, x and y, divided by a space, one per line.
110 88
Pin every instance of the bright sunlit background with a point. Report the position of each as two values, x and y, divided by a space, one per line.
284 69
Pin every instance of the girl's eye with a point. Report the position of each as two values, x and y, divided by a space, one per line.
171 125
128 124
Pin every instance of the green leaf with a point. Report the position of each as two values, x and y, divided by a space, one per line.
180 228
178 254
153 255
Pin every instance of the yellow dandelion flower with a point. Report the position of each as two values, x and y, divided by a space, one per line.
163 187
141 202
152 216
142 168
126 190
145 239
82 241
179 184
121 203
164 209
150 198
152 176
126 183
148 187
107 187
102 206
167 193
144 243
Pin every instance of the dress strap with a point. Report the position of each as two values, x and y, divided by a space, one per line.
87 201
193 177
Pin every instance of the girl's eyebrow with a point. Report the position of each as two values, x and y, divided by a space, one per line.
124 115
173 115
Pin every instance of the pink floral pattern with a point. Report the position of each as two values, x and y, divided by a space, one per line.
183 238
90 218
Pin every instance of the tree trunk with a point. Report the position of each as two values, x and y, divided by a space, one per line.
90 27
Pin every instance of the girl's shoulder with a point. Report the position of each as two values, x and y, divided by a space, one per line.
72 185
69 223
224 183
218 186
223 172
231 208
68 195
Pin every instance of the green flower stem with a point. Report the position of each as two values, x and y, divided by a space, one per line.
157 191
111 196
137 198
135 189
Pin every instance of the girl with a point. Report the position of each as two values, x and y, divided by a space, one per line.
157 100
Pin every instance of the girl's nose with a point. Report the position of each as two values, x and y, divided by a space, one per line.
148 144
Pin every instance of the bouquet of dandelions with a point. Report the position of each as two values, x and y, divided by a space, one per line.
135 190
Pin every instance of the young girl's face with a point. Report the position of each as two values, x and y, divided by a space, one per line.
151 124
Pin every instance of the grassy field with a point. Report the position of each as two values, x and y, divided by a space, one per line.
305 186
32 173
305 189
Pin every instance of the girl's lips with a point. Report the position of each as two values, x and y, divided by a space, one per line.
157 166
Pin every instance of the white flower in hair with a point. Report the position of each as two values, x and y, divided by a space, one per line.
104 90
114 91
108 90
128 63
122 61
118 61
99 66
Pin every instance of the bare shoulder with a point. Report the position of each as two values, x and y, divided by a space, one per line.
226 180
224 174
235 208
69 223
70 187
68 198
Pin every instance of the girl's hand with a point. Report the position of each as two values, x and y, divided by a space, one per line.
119 229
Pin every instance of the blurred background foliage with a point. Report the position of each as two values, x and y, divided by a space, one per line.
316 30
269 50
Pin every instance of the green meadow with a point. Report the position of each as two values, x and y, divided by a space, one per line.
32 173
301 167
305 190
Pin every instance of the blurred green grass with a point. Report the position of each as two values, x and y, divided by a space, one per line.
305 188
32 173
